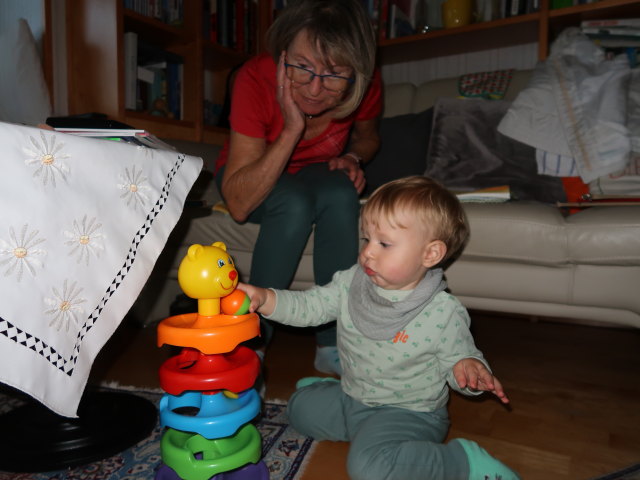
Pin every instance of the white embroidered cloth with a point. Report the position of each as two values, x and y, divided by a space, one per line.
82 222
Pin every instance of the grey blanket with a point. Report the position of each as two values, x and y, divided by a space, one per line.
467 152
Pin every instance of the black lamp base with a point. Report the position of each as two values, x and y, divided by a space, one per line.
35 439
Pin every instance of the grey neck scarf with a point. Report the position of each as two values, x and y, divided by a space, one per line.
380 319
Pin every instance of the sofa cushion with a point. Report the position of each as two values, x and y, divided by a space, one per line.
538 234
467 152
517 232
403 149
399 99
590 234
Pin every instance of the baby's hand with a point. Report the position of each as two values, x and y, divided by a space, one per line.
471 373
259 297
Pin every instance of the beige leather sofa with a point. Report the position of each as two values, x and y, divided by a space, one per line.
523 257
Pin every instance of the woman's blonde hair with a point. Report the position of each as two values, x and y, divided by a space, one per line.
430 204
342 31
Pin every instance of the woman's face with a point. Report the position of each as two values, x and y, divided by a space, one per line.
313 98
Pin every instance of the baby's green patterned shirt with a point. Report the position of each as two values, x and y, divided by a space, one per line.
410 370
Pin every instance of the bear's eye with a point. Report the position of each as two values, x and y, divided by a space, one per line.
230 261
220 263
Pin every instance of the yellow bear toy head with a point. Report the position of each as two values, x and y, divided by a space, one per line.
207 272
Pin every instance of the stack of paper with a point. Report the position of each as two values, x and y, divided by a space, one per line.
485 195
135 136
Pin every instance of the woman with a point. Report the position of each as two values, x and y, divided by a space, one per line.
286 166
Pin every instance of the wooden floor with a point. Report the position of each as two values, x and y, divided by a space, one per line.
574 389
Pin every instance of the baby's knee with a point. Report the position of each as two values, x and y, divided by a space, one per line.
368 464
315 411
300 412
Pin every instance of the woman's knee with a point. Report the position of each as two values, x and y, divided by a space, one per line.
296 204
339 194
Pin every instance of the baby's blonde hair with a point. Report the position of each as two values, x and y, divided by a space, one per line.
431 205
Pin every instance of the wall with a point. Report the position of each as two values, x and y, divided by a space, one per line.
520 57
31 10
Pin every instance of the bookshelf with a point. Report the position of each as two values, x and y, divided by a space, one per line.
97 73
542 26
95 53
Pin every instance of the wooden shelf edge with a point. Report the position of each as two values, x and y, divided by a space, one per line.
215 135
215 52
154 29
470 38
452 32
133 16
596 7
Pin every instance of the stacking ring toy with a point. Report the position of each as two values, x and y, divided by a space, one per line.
215 334
218 416
218 456
193 370
251 471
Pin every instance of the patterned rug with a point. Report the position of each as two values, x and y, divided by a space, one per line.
284 450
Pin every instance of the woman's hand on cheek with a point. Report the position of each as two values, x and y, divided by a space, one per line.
291 114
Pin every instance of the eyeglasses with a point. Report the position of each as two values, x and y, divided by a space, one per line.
303 76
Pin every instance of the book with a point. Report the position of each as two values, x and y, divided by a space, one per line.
399 22
383 17
612 22
597 200
496 194
516 7
614 31
145 74
100 132
130 69
614 41
129 135
620 203
86 120
533 6
162 96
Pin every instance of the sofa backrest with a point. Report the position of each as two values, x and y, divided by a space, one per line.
401 98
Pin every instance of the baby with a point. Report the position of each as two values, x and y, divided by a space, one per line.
401 339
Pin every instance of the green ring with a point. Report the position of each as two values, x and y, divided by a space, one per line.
219 455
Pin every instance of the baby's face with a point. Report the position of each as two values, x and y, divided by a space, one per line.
393 252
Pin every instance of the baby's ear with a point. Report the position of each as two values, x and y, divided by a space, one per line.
434 252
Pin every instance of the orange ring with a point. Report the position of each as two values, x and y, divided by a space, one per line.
214 334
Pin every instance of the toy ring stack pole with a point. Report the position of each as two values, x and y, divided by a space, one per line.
209 401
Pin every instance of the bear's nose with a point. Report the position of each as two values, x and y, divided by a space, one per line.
233 274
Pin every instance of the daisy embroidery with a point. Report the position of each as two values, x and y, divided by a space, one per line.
148 152
66 306
18 252
47 158
85 240
134 187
